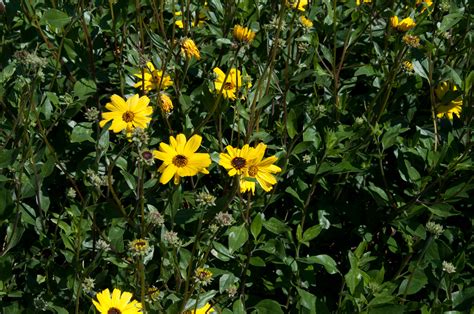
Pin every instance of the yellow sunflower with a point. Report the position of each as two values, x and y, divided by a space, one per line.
261 170
298 4
206 309
237 161
180 158
127 115
306 22
117 303
230 85
243 34
424 3
189 49
451 108
152 79
403 25
165 103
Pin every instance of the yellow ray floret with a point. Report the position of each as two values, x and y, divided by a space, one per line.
152 79
127 115
118 302
228 86
180 158
451 108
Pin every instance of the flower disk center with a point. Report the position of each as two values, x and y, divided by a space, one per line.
228 86
113 310
238 163
253 170
180 161
128 116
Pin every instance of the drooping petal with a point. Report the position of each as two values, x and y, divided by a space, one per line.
168 173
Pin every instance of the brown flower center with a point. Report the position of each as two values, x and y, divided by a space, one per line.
147 155
128 116
253 170
228 86
113 310
238 163
180 161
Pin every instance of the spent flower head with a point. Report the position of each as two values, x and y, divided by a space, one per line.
203 276
165 103
88 284
103 245
224 219
92 114
411 40
448 267
139 247
155 218
172 238
204 198
434 228
146 156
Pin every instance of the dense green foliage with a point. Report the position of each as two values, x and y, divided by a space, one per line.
373 208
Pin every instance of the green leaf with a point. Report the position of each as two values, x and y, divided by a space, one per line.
55 18
238 235
307 300
449 21
325 260
82 132
443 210
256 226
84 88
7 157
275 226
312 232
130 180
291 123
226 281
413 283
238 307
268 307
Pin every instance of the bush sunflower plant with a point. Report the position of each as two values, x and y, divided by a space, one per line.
236 156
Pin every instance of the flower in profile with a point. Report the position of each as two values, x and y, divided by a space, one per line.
117 303
165 102
359 2
127 115
451 107
411 40
203 276
243 34
139 247
424 3
306 22
189 49
180 158
403 25
228 86
261 170
152 79
298 4
236 160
